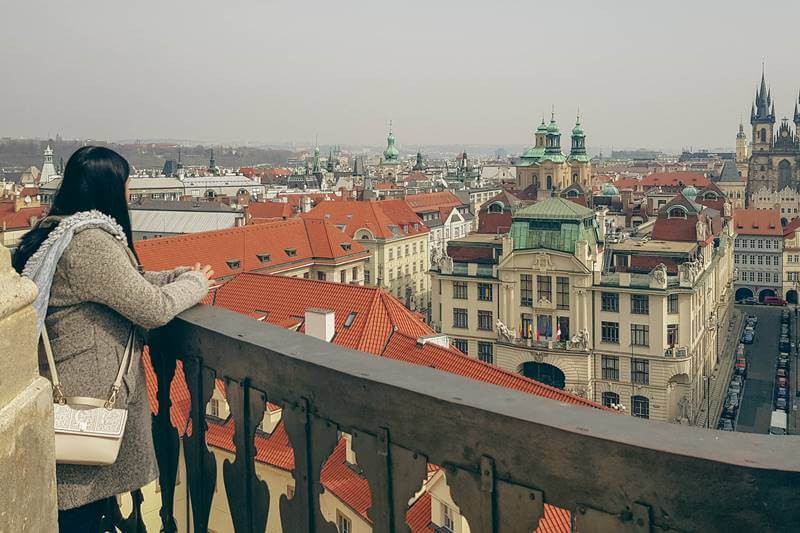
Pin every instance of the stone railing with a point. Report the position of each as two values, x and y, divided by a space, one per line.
27 459
505 452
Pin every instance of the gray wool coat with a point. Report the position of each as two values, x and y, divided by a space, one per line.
97 295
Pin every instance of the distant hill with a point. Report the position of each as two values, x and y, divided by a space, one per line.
17 154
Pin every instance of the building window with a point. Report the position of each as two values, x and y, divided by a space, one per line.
760 276
485 352
562 292
610 367
485 292
760 243
610 302
460 290
760 259
544 288
640 371
610 399
485 320
640 304
641 406
461 345
448 523
640 335
672 335
321 276
526 290
459 318
672 304
367 277
343 523
343 276
527 326
610 332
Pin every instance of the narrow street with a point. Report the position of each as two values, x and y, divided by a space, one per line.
756 408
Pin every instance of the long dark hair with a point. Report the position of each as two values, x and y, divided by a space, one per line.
94 178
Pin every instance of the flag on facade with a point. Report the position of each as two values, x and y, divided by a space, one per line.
558 329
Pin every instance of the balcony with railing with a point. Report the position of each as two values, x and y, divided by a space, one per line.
505 453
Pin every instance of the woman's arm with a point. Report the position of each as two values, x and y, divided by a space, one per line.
99 269
162 277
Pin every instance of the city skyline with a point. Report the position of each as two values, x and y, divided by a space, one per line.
234 75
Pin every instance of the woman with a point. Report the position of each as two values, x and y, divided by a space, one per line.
83 252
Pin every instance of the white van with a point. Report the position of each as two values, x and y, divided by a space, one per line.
777 425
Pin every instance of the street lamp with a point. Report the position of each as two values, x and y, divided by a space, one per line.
707 381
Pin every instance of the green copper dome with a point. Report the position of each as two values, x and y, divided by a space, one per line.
391 153
553 127
542 127
609 189
690 192
577 131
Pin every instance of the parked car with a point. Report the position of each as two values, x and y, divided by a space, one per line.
740 350
732 399
725 424
781 373
774 300
728 411
781 382
747 338
752 320
783 344
782 392
740 366
781 404
783 364
748 301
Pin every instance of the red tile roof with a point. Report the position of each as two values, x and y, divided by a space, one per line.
339 477
431 201
790 228
758 222
554 520
313 242
283 298
264 211
676 179
18 220
385 219
418 517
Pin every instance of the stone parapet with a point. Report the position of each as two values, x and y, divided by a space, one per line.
27 459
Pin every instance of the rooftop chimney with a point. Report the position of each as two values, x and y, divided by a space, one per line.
320 323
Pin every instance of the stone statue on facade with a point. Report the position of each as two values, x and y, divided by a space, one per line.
683 409
659 273
505 332
580 341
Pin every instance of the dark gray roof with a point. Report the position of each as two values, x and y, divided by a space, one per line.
167 205
729 173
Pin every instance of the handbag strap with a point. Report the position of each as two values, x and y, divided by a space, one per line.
58 390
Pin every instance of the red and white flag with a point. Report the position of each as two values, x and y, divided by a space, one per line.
558 330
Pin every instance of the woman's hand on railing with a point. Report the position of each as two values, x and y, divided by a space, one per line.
204 269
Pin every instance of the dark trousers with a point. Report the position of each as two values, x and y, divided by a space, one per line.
93 517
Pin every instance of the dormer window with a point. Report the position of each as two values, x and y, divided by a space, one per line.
350 318
233 264
496 207
291 252
340 227
677 212
711 196
346 246
264 258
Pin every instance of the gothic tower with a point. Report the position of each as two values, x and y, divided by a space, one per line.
762 118
48 169
742 151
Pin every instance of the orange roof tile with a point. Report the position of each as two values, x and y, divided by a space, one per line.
385 219
352 488
418 517
431 201
264 211
18 220
281 245
757 222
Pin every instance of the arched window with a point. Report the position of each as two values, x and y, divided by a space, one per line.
610 398
763 135
677 212
711 195
496 207
549 182
574 178
572 194
641 406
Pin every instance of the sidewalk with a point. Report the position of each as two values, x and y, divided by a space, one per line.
721 376
793 421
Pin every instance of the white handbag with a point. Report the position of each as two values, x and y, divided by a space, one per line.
88 430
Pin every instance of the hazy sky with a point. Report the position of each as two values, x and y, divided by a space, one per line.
654 74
